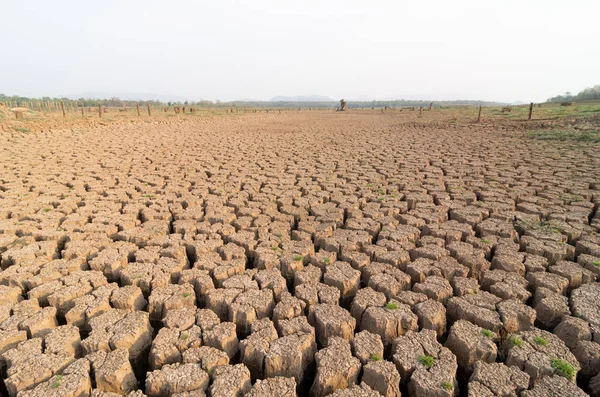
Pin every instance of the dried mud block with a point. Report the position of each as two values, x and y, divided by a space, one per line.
343 277
113 372
163 299
273 387
208 358
464 285
200 280
315 294
222 337
336 368
182 318
515 315
496 379
64 339
479 309
273 280
588 355
383 377
540 353
289 356
427 367
255 347
230 381
471 344
436 288
571 330
120 329
218 300
390 321
27 365
129 298
367 346
288 308
431 315
333 320
176 378
74 381
365 298
170 343
250 306
585 304
550 307
574 273
554 386
88 306
297 325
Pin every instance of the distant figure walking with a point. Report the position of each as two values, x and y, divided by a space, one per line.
343 104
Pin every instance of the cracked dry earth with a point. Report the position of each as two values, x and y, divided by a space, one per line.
298 254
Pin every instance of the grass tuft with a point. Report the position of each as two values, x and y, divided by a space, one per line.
447 385
516 341
426 361
298 258
488 333
596 263
391 306
375 357
540 341
563 368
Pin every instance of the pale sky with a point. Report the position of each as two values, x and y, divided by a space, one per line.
503 50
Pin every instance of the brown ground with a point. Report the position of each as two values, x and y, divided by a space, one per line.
494 232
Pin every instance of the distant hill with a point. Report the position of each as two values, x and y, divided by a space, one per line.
302 98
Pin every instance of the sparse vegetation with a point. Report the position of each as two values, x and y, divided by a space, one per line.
564 135
426 361
563 368
298 258
447 385
391 306
487 333
375 357
596 263
186 294
540 341
516 341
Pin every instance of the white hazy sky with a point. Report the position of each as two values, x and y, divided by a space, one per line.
505 50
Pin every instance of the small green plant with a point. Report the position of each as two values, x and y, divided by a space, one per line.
447 385
563 368
391 306
56 384
327 260
298 258
46 209
278 235
186 294
375 357
488 333
596 263
184 336
540 341
516 341
485 241
426 361
148 196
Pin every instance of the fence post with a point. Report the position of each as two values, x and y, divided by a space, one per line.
479 115
530 110
62 107
149 110
137 106
82 109
430 105
100 110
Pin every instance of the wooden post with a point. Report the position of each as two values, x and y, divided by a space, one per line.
82 109
100 110
149 110
479 115
530 110
430 105
39 107
420 110
62 106
137 106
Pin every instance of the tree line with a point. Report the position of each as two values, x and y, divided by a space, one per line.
588 94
